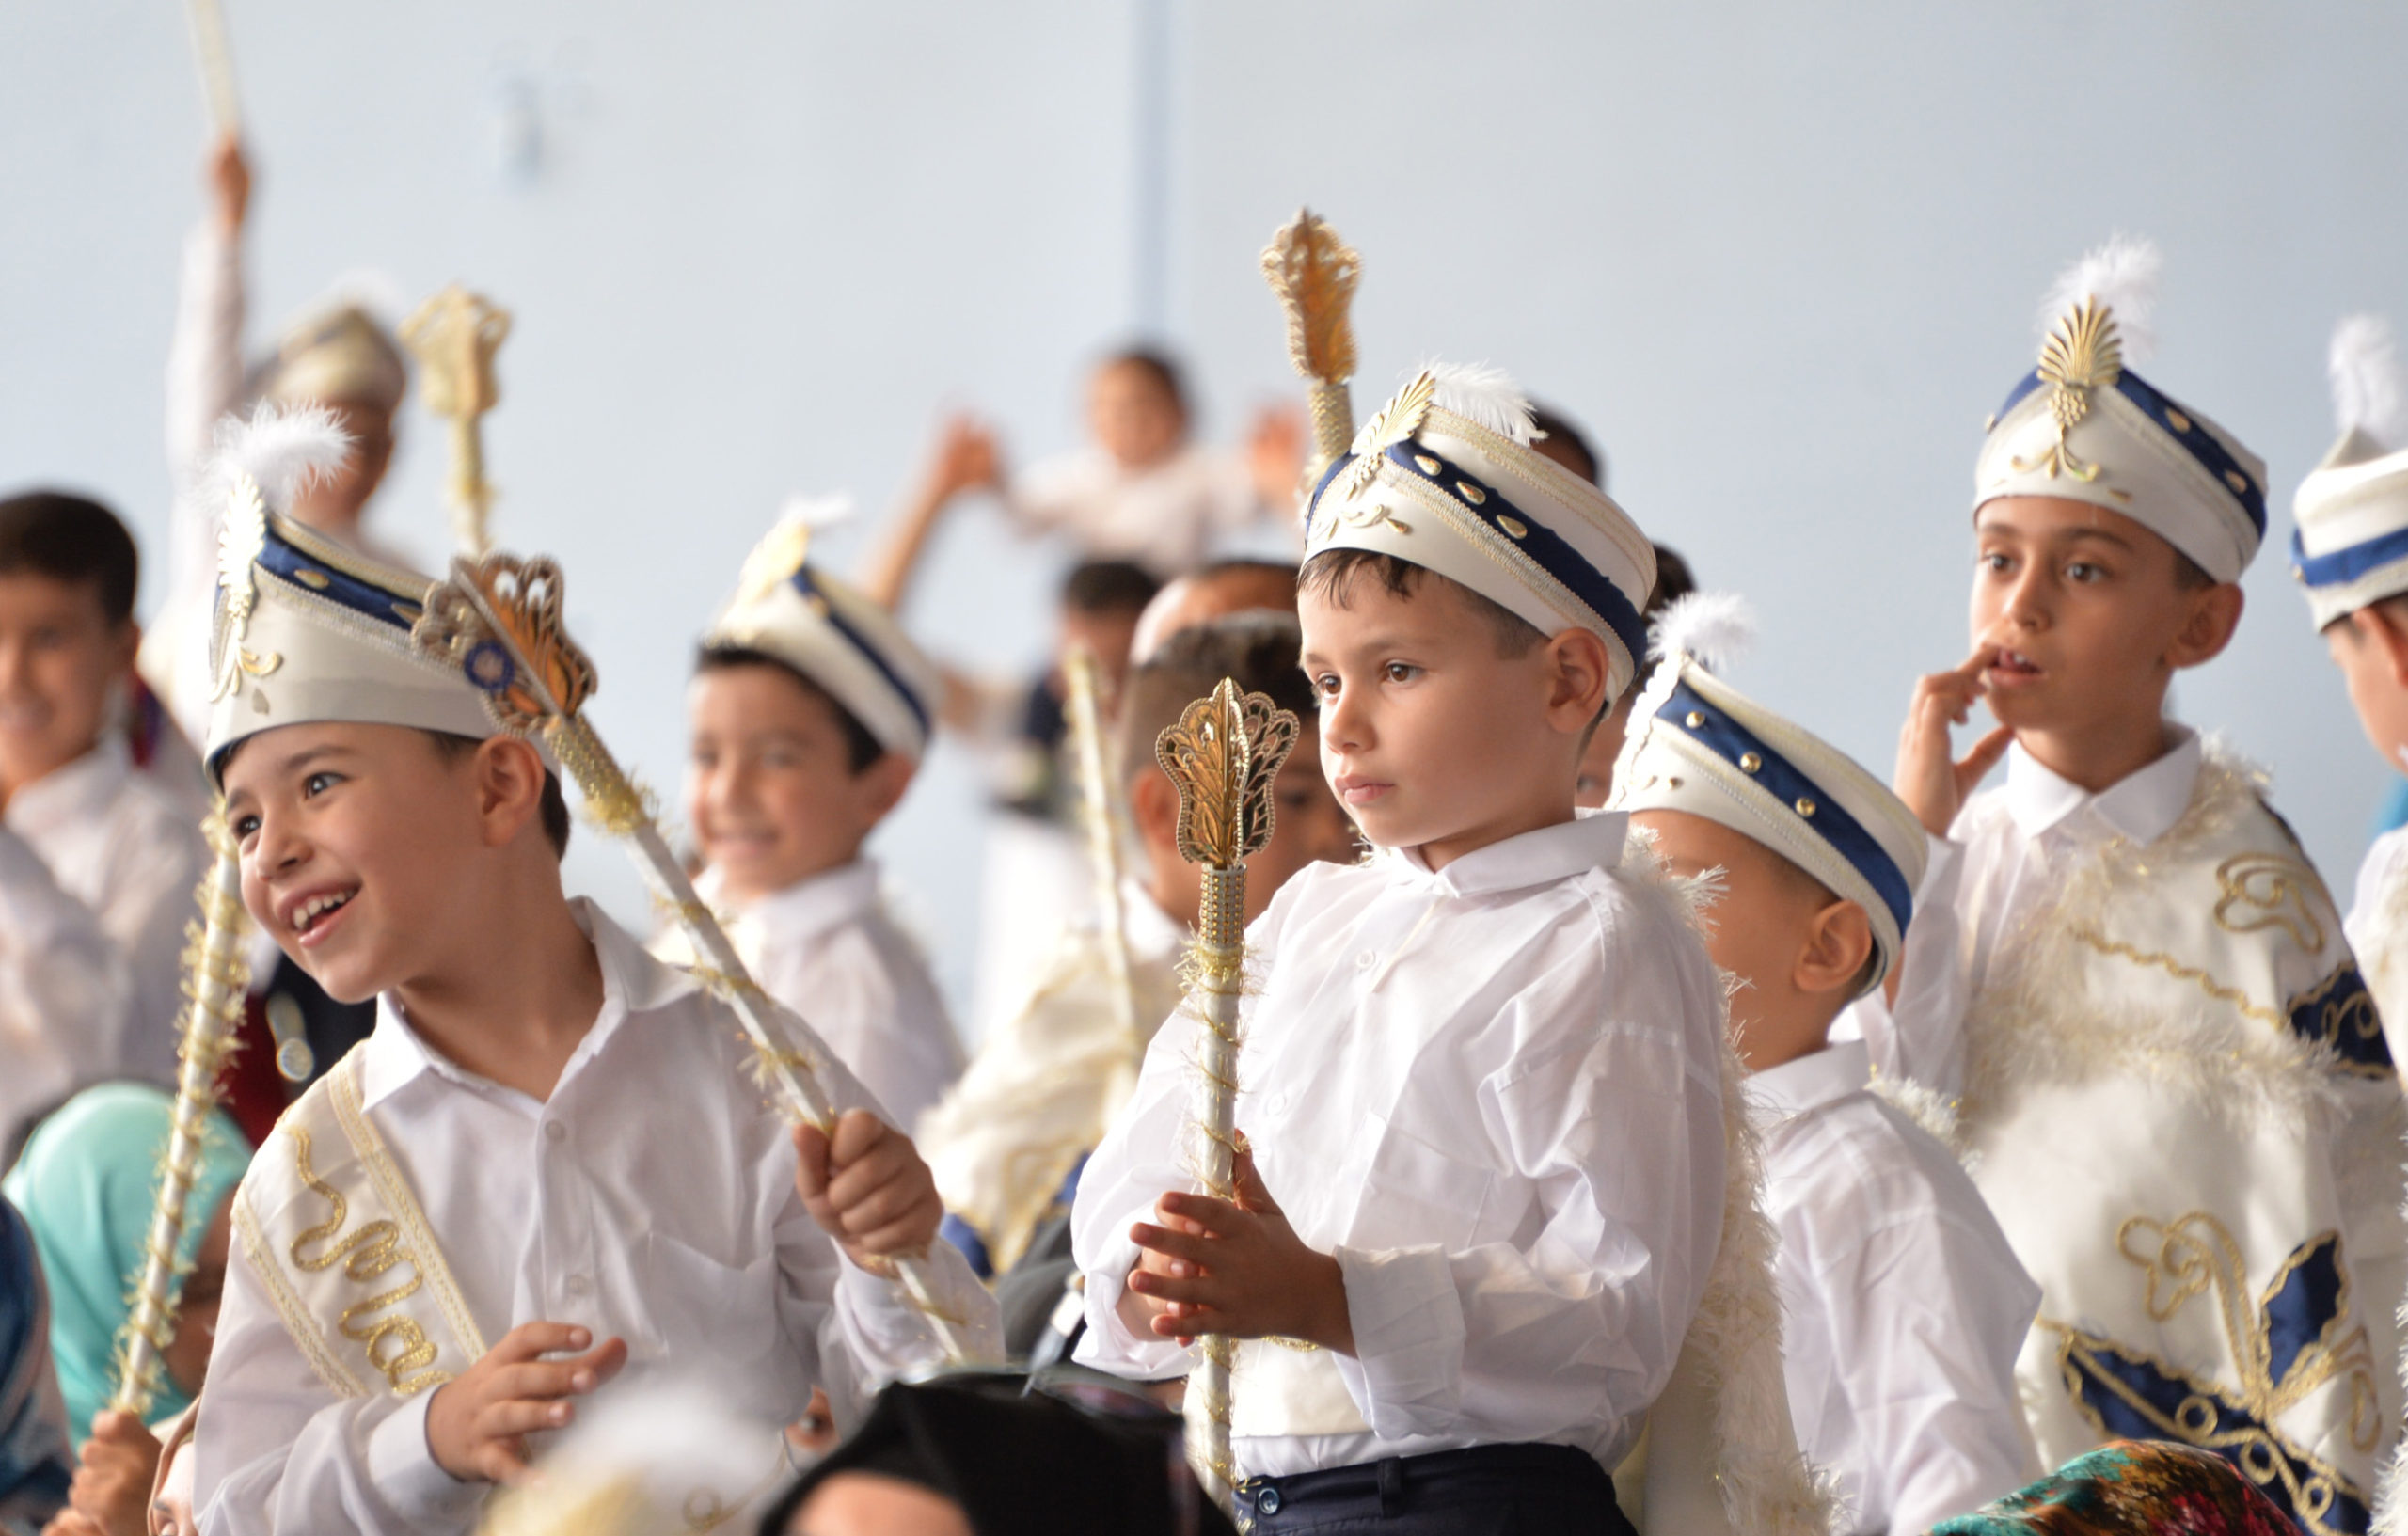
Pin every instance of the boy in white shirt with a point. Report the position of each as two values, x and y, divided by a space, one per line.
2179 1100
548 1164
810 710
1481 1076
1904 1309
96 863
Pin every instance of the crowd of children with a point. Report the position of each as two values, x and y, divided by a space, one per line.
1649 1120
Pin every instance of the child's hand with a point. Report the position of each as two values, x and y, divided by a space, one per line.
1275 455
477 1423
229 183
1931 780
1250 1275
867 1187
966 459
112 1489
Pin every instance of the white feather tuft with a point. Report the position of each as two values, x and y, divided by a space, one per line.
2122 275
1712 629
1484 395
284 448
2369 394
817 512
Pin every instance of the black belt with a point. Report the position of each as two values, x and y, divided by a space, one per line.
1554 1487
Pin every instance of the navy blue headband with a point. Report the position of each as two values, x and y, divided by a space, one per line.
1714 727
2349 563
827 608
362 597
1547 550
2184 428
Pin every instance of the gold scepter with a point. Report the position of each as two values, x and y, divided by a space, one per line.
1314 275
216 978
454 336
1096 804
216 64
498 618
1223 755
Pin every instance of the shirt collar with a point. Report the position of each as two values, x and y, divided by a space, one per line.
78 791
816 903
2142 805
1812 1081
632 983
1533 858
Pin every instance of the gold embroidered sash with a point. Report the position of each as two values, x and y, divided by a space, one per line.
348 1259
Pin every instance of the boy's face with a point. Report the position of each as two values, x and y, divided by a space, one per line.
2370 646
1307 825
333 502
770 791
2085 613
59 658
1132 416
356 843
1430 735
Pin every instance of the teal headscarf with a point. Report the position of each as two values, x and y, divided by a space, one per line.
86 1183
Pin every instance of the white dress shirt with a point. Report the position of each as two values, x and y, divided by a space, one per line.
1166 517
651 1197
828 948
1904 1306
98 866
1493 1093
2378 929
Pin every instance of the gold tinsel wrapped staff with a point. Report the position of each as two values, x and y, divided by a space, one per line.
1097 806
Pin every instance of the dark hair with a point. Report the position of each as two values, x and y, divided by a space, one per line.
1157 365
1108 586
1244 565
553 809
71 538
1332 573
861 748
1257 648
1673 580
1556 427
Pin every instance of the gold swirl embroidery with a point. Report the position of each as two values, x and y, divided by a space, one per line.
2261 891
2157 959
396 1346
2350 1016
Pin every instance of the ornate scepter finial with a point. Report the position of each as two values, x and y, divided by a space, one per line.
1314 273
454 336
1222 755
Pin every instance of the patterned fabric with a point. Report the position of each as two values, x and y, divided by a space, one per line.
2131 1488
35 1462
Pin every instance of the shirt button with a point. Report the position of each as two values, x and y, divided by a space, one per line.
1365 961
555 1131
1267 1501
579 1285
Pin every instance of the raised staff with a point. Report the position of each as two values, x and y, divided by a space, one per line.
1097 813
454 335
1314 273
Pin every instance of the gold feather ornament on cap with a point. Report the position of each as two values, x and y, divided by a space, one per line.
1314 273
2082 353
240 538
1398 421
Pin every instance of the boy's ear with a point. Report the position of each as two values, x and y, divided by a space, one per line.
2377 625
2215 614
1838 943
1153 810
128 640
1580 666
886 779
510 786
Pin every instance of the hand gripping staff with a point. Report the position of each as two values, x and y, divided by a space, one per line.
216 978
1223 755
498 618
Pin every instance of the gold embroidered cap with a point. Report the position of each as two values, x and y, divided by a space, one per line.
306 630
2350 519
1445 478
340 356
2082 426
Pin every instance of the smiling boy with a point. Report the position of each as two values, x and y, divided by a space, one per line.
1480 1077
96 865
2173 1086
546 1165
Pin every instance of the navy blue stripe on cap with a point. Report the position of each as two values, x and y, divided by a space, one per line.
827 609
2181 425
1546 548
1724 736
362 597
2349 563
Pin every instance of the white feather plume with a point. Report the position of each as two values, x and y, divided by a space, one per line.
1712 629
1482 394
2369 394
2122 275
282 448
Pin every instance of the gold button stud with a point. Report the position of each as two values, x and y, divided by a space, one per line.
1470 492
1429 465
1749 762
1514 526
1696 719
314 580
1805 807
2176 420
2239 482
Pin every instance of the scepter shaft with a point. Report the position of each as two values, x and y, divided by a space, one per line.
1103 837
1219 971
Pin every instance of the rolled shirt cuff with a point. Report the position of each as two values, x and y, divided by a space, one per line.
401 1466
1407 1372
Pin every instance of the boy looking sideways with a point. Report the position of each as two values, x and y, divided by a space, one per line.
546 1165
2180 1104
1904 1308
96 865
1481 1074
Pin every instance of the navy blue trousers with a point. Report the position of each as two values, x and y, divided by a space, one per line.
1485 1491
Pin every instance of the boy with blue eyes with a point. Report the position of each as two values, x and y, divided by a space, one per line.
1481 1078
2174 1089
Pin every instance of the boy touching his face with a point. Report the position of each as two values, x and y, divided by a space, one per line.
1480 1077
810 711
2176 1095
1904 1308
546 1165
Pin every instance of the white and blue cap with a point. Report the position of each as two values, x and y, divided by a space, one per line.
2084 427
2350 538
797 614
1445 478
1699 745
308 631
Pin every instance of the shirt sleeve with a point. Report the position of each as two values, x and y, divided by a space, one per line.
149 904
1921 1038
278 1451
205 354
65 996
1618 1122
